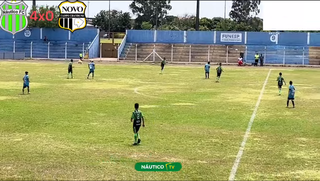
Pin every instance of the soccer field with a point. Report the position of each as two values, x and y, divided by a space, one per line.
81 129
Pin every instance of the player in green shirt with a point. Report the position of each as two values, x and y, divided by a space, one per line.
280 80
219 72
137 118
70 69
163 63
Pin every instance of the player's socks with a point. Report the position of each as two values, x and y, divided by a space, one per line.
293 103
135 137
287 103
139 140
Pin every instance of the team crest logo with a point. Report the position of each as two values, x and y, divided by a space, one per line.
13 16
72 15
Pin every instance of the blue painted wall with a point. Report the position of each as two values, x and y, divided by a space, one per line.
55 34
57 37
140 36
170 36
35 35
90 34
260 38
315 39
206 37
223 38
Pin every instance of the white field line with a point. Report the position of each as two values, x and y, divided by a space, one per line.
245 138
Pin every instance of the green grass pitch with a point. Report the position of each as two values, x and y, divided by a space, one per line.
81 129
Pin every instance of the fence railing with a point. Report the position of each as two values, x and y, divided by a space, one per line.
225 54
49 50
122 45
93 48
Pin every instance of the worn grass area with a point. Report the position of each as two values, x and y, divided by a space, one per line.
106 40
81 129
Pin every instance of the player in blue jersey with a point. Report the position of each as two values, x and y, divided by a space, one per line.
207 70
91 67
291 93
26 82
137 118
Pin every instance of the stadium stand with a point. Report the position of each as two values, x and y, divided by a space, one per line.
277 48
60 44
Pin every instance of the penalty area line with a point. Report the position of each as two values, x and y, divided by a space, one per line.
245 138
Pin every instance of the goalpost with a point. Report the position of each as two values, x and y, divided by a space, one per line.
153 54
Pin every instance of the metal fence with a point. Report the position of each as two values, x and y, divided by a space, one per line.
49 50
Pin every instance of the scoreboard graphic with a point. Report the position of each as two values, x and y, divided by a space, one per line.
14 17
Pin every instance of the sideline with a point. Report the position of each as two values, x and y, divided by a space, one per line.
245 138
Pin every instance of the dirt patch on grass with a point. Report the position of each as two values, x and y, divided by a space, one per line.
303 154
98 85
303 174
302 139
18 85
6 98
183 104
149 106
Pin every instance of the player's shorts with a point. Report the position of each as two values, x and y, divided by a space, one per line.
207 72
279 86
91 71
218 74
69 71
162 66
136 128
80 58
25 85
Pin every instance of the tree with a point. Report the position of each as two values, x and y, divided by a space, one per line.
187 22
215 22
226 25
205 24
242 10
146 26
119 21
256 24
152 11
34 18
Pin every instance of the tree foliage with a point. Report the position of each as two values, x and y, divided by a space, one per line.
146 26
152 11
243 10
119 21
43 10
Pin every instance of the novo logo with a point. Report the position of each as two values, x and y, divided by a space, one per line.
158 166
69 9
72 15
